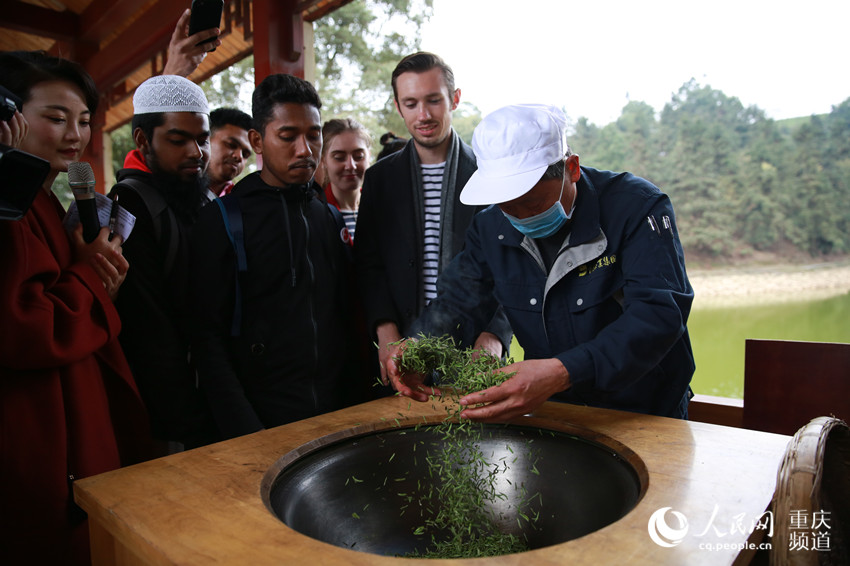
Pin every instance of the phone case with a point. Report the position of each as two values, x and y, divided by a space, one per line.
206 14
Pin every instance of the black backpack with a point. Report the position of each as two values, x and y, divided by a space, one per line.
160 213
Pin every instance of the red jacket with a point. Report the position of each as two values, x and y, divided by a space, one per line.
68 403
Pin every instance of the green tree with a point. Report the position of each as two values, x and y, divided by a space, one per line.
357 48
739 181
584 140
638 129
627 144
821 221
702 133
464 120
122 144
611 151
765 200
839 159
232 87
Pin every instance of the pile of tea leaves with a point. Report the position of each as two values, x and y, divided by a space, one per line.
464 488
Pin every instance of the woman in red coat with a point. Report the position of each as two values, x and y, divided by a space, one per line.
68 405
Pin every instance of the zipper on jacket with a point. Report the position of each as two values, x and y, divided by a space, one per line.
288 237
533 252
312 300
580 254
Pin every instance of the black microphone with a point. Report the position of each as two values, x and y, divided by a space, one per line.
81 179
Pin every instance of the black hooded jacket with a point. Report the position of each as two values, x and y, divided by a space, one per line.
294 355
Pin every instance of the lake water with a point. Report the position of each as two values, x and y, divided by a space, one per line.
718 335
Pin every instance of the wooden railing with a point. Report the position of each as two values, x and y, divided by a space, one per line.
786 384
717 410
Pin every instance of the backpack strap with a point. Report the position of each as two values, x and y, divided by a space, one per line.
157 208
232 216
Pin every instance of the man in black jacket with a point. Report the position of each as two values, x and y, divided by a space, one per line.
411 222
274 340
163 185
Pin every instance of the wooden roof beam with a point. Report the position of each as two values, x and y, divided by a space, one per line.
39 21
102 17
150 33
312 10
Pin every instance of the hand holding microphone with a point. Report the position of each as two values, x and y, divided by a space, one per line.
81 179
105 256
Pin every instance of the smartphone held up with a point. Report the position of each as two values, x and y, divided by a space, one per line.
206 14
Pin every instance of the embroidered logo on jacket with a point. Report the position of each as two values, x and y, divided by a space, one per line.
590 267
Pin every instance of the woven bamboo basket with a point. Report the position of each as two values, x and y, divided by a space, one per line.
812 498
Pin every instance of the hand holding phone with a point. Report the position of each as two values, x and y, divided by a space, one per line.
184 56
9 104
206 14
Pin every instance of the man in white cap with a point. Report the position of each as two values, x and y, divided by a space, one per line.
588 267
164 186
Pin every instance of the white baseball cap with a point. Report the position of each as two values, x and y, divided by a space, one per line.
514 146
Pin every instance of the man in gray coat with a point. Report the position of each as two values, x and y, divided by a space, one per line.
411 222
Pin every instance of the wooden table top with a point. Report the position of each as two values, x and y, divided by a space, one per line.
204 506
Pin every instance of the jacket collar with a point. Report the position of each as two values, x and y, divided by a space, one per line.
330 198
135 160
252 183
586 215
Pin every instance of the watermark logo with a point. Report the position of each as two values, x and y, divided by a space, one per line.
662 533
809 530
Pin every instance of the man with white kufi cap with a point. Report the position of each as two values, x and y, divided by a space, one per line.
588 267
164 186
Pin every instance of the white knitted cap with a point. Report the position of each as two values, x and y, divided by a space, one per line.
169 93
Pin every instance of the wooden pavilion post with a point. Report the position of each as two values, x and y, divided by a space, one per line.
278 39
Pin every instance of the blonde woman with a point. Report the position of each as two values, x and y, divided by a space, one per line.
345 156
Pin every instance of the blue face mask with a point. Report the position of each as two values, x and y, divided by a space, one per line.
544 224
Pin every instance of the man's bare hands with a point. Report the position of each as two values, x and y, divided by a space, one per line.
489 343
407 384
534 382
387 334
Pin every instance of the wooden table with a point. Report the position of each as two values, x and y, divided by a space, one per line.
204 506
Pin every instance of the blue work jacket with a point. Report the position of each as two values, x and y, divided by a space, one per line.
613 308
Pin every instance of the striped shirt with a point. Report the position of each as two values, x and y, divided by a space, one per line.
432 182
350 219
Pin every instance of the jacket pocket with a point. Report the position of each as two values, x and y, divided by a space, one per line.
523 305
594 304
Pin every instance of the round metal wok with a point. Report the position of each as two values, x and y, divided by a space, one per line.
356 492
